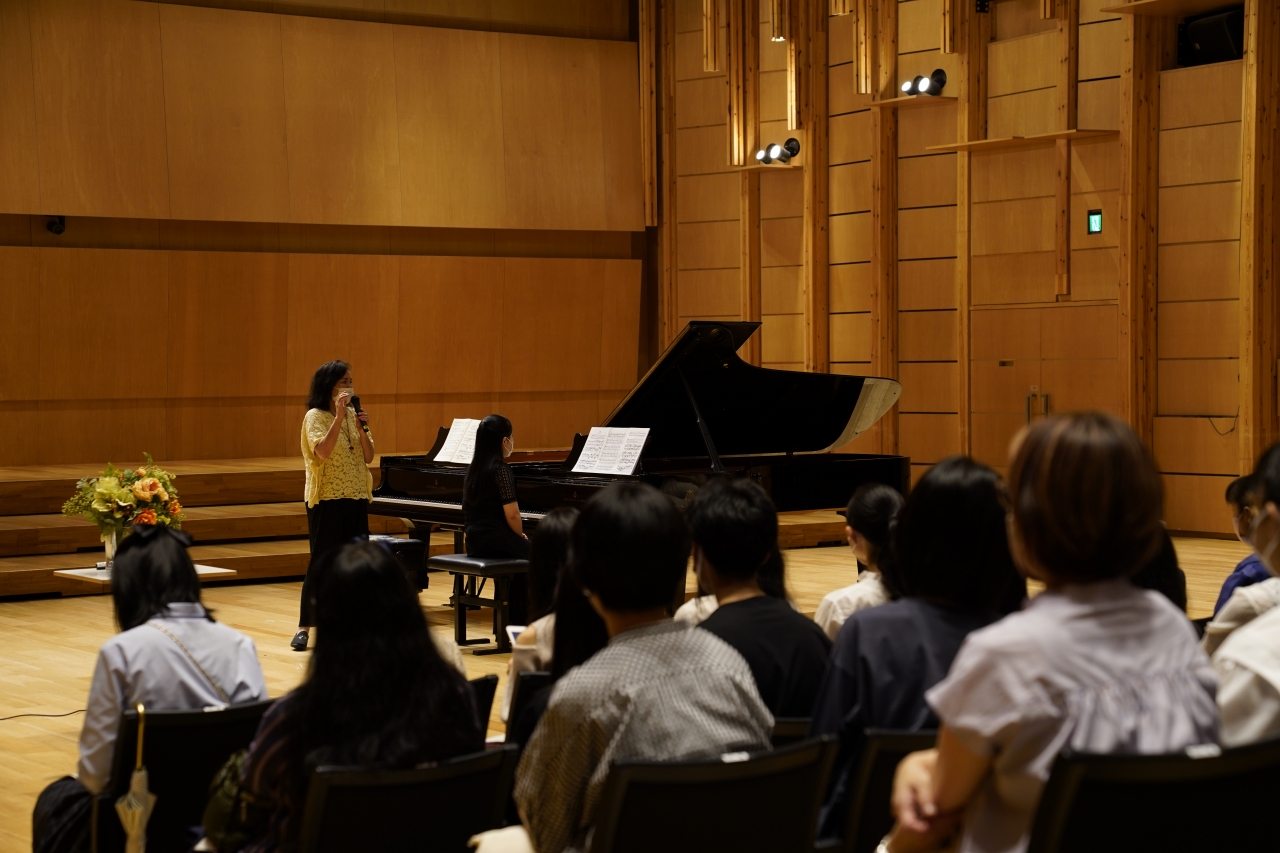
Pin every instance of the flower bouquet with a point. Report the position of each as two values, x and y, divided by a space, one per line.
116 500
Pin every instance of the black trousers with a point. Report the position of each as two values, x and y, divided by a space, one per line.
492 541
330 524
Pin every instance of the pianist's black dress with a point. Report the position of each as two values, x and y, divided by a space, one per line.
484 493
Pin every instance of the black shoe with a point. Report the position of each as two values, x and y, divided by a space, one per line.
299 643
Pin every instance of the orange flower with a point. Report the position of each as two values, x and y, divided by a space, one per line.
174 508
147 516
148 488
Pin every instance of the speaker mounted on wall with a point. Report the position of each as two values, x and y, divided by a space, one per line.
1215 37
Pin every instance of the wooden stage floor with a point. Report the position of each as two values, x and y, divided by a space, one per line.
50 646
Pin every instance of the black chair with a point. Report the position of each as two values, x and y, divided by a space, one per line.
182 751
871 786
433 807
466 572
484 688
526 685
766 802
1198 800
789 730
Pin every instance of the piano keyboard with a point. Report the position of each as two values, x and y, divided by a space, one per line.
445 505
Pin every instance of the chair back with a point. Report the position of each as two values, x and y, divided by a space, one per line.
433 807
766 802
1203 798
871 786
789 730
484 688
527 684
182 751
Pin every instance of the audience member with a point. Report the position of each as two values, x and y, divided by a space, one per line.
771 579
548 561
661 690
950 560
734 528
1092 663
1248 661
377 694
870 512
1162 574
170 655
1251 569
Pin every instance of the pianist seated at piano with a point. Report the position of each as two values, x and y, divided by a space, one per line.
489 508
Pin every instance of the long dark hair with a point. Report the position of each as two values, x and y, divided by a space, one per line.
870 513
549 558
377 692
580 632
949 543
488 453
326 377
152 570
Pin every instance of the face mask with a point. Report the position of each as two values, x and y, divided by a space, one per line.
340 391
508 447
1265 551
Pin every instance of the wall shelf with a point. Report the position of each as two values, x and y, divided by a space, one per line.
911 101
1169 8
1021 141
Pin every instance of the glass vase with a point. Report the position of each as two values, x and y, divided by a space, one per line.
110 541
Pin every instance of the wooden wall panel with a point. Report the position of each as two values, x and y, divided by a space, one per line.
1023 114
781 290
1022 64
700 103
927 336
346 307
850 188
1209 387
850 287
918 129
1095 273
781 242
619 282
20 298
782 340
927 181
1200 213
928 438
927 232
1098 104
1200 155
435 353
1200 271
1196 445
1191 96
19 165
1198 329
340 100
100 108
851 238
709 293
619 86
851 337
1196 504
1082 384
224 114
1020 225
1002 386
1101 50
1079 332
708 245
541 299
448 89
928 387
918 25
850 137
87 295
1018 173
708 198
1012 278
1006 334
926 284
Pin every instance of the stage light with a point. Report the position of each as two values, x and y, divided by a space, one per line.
763 155
931 85
56 224
915 85
906 87
775 152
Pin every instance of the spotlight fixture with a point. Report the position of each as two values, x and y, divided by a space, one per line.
56 224
782 153
931 85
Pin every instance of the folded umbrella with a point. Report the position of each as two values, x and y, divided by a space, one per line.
136 806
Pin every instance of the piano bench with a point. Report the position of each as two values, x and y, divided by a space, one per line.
465 571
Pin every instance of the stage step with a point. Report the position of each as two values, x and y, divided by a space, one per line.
285 558
22 535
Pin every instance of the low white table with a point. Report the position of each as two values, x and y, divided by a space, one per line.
100 579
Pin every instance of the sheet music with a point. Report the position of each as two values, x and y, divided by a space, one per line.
460 445
612 451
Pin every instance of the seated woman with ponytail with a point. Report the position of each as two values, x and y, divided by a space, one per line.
734 527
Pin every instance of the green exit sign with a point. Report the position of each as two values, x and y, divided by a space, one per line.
1095 222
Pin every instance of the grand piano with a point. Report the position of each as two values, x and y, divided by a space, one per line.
709 414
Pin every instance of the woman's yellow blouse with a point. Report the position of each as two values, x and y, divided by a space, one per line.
344 474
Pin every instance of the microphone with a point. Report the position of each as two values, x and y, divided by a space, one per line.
355 404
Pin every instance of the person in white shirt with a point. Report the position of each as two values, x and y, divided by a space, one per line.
871 511
170 655
1093 663
1248 661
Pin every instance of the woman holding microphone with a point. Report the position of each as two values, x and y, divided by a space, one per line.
337 448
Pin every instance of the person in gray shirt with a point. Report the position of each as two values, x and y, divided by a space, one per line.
660 691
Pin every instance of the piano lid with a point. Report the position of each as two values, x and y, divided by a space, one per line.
746 409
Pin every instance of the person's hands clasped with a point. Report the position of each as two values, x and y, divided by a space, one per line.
920 825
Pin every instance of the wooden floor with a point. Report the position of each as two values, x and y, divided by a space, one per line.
50 646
